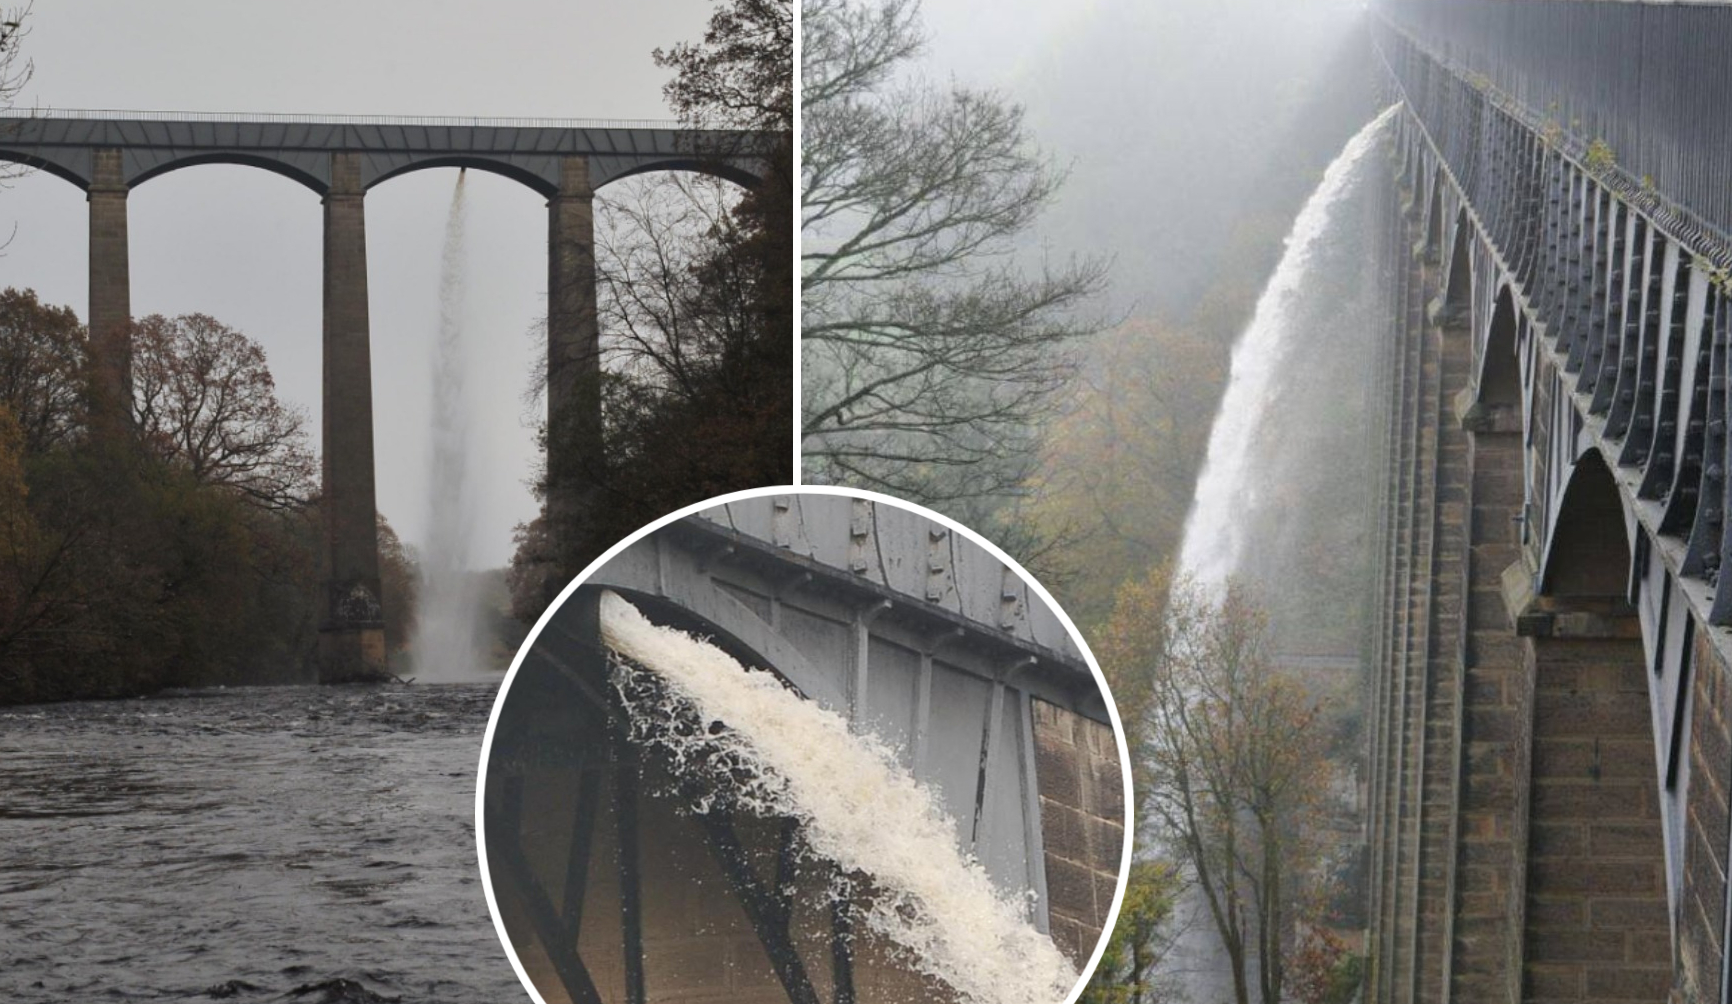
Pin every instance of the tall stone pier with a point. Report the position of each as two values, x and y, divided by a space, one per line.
110 315
352 636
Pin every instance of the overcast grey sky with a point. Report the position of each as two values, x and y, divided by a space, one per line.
244 245
1169 115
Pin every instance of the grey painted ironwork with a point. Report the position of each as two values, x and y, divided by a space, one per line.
299 147
1650 81
894 621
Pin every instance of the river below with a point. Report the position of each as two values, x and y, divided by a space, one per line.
304 844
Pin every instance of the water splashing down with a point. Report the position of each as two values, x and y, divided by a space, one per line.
444 644
857 806
1214 539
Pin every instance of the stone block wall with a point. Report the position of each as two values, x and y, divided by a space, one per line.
1082 813
1703 911
1596 892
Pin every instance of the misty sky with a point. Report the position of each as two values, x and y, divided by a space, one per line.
244 245
1169 115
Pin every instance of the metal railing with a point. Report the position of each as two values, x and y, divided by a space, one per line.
132 115
1647 87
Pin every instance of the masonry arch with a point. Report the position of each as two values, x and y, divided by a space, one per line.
692 165
491 165
545 187
1588 554
1500 379
1434 216
1596 896
1458 289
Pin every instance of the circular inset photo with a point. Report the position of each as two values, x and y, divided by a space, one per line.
804 745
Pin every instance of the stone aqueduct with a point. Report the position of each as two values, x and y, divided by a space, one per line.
107 154
1550 738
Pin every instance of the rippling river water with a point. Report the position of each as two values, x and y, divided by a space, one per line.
305 844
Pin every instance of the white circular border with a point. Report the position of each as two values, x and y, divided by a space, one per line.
991 548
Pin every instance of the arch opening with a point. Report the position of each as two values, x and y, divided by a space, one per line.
1434 217
1500 381
46 166
239 159
1458 291
244 247
541 186
1589 553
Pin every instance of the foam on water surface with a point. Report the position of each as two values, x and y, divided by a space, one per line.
858 807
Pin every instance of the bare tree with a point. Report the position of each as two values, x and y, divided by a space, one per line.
203 397
929 354
652 235
15 72
741 75
695 305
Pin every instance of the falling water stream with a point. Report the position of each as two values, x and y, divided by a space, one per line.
1214 541
858 807
1218 529
444 643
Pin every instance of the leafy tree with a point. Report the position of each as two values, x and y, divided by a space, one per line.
1130 968
42 359
1324 972
1129 645
135 562
1119 464
532 576
929 356
204 398
18 531
1234 762
399 581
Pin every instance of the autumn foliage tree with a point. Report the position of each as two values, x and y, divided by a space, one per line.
184 552
1233 757
41 369
1118 464
1131 967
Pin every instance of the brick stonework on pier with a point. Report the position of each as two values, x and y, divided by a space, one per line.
1082 811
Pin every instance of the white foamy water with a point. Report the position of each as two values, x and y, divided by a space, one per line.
1214 535
1215 530
444 645
858 807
